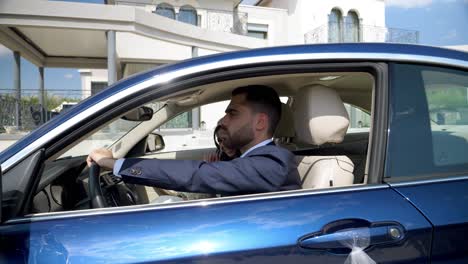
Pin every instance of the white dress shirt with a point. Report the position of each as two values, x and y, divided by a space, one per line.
261 144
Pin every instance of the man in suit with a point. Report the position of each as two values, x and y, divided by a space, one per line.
250 121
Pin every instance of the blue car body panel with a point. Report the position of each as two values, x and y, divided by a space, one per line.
254 231
445 204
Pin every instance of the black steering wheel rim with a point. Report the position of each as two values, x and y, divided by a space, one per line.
97 199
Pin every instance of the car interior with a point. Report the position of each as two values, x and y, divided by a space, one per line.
314 125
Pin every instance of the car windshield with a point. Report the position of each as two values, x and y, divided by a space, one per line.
107 135
103 138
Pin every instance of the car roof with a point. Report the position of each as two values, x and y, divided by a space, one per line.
365 51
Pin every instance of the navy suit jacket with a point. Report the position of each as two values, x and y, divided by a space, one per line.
265 169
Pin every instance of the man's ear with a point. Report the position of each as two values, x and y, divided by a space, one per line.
262 122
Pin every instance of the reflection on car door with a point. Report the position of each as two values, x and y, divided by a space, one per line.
315 227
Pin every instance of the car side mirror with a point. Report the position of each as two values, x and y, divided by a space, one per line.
155 143
143 113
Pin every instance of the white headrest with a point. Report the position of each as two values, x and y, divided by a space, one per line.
285 126
319 116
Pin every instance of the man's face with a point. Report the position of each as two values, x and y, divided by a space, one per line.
237 125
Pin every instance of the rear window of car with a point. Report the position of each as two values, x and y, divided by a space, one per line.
429 122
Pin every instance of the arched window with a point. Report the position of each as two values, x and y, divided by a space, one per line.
166 10
352 27
188 14
335 21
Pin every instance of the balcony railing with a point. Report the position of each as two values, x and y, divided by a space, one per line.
220 20
213 19
337 33
233 22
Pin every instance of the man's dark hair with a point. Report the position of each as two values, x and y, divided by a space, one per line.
262 99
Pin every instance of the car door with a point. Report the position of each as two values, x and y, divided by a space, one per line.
428 151
329 226
363 223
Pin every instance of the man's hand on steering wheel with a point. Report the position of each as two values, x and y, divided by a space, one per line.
103 157
120 192
98 158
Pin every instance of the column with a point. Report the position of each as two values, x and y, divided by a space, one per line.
353 117
111 68
42 99
111 58
17 87
196 110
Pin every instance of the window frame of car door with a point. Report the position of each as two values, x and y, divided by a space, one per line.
380 97
376 151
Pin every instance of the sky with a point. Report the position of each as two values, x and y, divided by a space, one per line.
439 22
64 81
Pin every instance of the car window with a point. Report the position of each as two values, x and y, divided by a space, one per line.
102 138
107 135
179 137
447 99
359 120
179 134
429 126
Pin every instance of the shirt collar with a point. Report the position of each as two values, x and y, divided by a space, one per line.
261 144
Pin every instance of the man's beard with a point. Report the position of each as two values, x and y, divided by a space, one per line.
239 138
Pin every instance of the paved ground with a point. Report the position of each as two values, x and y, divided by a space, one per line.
7 140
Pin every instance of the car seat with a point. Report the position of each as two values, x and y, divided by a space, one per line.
320 118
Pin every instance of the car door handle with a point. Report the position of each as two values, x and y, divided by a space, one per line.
342 235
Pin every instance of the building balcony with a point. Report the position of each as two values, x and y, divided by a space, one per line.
216 20
339 33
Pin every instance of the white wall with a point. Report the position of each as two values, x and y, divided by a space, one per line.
276 19
293 32
134 47
203 52
89 76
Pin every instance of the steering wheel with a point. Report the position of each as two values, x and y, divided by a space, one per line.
97 199
113 191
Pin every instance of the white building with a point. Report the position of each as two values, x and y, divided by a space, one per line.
202 27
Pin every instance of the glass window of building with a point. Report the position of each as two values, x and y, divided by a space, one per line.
96 87
335 21
257 30
188 14
352 27
165 10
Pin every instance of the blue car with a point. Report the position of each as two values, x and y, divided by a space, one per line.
380 133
